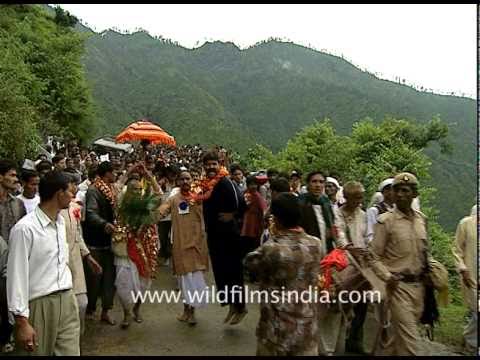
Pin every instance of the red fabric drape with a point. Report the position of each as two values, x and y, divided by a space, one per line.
337 259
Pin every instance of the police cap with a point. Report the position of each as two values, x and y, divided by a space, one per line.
405 178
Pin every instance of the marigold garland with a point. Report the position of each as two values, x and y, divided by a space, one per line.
206 185
106 190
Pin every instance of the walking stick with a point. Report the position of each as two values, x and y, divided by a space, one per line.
384 304
380 340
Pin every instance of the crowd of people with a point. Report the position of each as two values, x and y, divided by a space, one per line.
78 225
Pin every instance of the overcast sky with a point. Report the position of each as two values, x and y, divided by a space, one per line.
434 46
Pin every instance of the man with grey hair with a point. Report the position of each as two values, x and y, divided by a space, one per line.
331 189
355 222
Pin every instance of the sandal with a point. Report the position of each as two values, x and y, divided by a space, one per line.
230 314
183 317
191 318
107 319
238 317
125 324
137 317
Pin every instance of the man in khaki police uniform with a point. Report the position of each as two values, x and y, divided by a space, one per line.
399 248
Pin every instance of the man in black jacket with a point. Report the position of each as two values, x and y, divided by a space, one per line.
222 210
98 229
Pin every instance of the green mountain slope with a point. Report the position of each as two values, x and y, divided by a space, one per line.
265 94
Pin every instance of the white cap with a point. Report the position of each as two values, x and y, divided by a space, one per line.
333 181
28 165
384 183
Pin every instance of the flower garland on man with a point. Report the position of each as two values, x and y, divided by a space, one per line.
189 250
207 184
223 205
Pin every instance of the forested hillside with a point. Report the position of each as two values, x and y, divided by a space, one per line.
218 93
43 89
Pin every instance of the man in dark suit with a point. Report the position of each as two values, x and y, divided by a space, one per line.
98 229
223 208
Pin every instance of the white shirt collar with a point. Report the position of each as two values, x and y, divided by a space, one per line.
44 219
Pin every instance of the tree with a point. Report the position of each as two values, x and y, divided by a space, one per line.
18 116
258 157
370 154
43 76
63 18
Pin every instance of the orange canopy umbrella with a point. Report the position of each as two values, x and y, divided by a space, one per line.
145 130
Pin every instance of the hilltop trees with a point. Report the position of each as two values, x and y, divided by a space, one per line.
42 83
371 153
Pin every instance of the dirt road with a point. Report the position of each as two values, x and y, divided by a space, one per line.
162 334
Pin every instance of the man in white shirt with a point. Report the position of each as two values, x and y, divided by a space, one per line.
331 189
354 218
81 195
39 281
30 198
385 205
355 222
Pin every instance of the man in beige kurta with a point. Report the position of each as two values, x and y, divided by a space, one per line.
465 252
77 252
355 223
189 248
399 248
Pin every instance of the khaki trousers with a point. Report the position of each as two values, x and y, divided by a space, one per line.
406 308
56 321
332 330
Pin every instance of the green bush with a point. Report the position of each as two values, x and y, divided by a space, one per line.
43 89
370 154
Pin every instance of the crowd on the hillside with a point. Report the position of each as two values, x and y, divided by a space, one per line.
79 225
